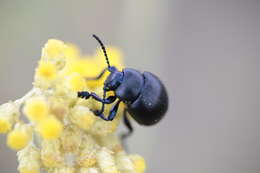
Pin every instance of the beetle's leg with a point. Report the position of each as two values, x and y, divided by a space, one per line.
103 105
109 100
123 136
97 77
86 95
112 112
128 125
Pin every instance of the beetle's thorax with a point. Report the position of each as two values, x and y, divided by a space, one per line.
131 85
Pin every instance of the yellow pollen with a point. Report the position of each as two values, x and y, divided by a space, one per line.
17 140
36 109
50 128
46 70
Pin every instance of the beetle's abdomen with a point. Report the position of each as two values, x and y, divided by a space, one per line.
131 86
152 103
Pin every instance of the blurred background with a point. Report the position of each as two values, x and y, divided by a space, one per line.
205 51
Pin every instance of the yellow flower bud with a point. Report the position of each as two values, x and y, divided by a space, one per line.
71 139
111 141
36 109
51 155
29 160
50 128
139 162
124 163
46 70
53 49
5 125
19 137
8 113
82 117
87 156
58 107
106 161
103 128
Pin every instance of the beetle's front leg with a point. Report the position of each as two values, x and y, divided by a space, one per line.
109 100
112 112
99 76
86 95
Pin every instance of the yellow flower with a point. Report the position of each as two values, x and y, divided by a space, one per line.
36 109
5 125
64 136
29 160
50 128
19 137
76 82
88 154
51 155
139 162
106 161
17 140
124 163
112 142
82 117
83 66
8 113
71 138
58 107
46 70
87 67
25 170
53 49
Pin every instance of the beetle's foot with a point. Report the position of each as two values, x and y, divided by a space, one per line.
95 112
84 94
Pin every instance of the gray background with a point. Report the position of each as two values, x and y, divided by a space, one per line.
205 52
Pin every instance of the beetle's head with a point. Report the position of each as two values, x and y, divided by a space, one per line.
114 79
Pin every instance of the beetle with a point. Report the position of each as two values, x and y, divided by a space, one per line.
144 95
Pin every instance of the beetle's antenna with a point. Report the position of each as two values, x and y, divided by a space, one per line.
103 48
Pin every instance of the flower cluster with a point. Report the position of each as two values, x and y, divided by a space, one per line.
57 132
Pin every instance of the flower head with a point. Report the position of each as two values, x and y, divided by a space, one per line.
29 160
19 137
60 133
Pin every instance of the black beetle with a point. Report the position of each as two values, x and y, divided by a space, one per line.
144 94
